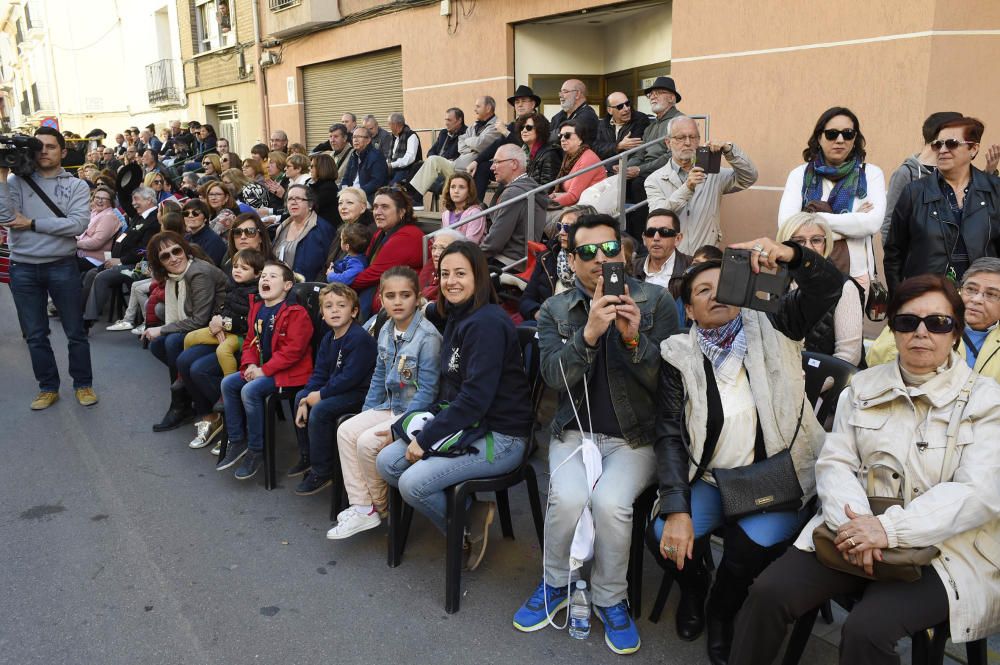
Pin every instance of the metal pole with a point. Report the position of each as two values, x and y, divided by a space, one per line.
529 234
622 182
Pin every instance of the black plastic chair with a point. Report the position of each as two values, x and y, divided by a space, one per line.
338 495
640 520
401 514
819 367
926 649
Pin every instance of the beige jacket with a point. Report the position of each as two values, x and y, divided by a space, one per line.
774 367
876 423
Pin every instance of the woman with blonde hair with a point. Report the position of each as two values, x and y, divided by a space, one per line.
839 332
211 164
249 192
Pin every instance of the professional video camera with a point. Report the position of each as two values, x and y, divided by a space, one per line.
18 152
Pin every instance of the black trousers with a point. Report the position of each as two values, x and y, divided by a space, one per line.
797 582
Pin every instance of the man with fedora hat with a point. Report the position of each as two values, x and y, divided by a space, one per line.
621 129
573 102
525 102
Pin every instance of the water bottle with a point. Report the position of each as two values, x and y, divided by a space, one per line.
579 612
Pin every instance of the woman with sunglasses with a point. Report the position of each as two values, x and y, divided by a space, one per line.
211 165
198 232
248 232
840 332
552 273
158 182
848 193
731 394
194 290
891 439
577 155
543 158
944 222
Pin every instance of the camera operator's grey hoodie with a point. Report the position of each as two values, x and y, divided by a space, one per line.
54 237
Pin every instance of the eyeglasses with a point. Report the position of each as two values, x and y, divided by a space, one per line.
610 249
438 248
211 194
297 199
848 134
528 128
494 162
686 138
815 241
661 231
192 213
566 136
625 104
935 323
157 182
176 250
248 232
101 199
951 144
971 292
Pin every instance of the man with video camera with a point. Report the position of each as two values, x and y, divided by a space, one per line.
44 211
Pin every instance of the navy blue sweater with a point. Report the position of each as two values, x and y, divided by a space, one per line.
482 375
344 364
210 241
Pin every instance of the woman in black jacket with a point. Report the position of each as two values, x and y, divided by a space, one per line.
323 171
543 159
945 221
552 273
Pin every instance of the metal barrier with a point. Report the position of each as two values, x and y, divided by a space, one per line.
621 158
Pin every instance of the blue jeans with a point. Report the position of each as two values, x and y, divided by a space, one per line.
422 483
244 403
199 368
31 284
765 529
167 348
318 439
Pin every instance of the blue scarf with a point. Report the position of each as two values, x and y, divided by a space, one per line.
725 347
849 178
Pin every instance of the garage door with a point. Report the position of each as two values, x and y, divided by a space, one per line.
370 83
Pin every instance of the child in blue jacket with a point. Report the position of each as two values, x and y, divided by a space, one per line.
354 240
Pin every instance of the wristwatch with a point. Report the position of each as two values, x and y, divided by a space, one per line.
32 225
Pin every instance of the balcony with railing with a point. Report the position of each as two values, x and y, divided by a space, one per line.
286 18
161 86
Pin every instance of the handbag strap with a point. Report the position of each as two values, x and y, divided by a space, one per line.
43 196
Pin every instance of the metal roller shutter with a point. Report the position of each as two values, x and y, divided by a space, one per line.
370 83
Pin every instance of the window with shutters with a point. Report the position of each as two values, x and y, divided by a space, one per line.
214 25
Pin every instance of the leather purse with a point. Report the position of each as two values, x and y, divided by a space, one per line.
899 564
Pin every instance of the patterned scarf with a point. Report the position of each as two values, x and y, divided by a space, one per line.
725 347
851 183
563 271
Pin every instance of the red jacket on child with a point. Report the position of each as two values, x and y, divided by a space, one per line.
291 361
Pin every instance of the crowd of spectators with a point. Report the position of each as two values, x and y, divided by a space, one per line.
659 385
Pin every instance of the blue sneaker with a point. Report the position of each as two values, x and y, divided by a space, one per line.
532 615
620 633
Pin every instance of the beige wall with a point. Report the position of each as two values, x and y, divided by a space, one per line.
769 102
643 39
248 105
555 49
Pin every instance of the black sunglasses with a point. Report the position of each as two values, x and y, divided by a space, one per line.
848 134
249 232
951 144
619 107
935 323
610 249
566 136
663 232
193 213
528 128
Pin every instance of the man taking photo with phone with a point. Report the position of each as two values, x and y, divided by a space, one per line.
684 187
43 213
602 353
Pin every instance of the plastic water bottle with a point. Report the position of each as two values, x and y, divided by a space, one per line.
579 612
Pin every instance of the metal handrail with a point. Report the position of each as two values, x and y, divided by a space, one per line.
622 160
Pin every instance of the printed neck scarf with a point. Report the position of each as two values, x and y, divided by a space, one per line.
725 347
851 183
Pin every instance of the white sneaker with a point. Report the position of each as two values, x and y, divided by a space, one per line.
351 523
139 329
120 325
217 448
207 430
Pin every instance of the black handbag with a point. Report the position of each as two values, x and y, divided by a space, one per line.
768 485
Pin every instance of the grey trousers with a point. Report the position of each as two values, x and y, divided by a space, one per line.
626 473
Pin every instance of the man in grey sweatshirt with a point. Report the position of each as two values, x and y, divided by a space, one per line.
43 264
505 241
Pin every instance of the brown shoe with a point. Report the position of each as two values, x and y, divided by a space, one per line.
86 396
44 400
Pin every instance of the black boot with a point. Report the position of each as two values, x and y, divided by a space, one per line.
742 561
179 413
694 581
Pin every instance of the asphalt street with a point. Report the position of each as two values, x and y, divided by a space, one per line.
124 546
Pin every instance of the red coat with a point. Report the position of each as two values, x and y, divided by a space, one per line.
291 361
403 248
157 294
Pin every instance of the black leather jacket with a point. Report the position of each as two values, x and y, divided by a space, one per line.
923 233
544 168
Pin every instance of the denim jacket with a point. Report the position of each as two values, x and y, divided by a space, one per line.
633 374
406 373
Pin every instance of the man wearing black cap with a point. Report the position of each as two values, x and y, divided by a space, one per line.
525 102
573 102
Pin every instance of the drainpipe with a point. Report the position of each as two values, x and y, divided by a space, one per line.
259 73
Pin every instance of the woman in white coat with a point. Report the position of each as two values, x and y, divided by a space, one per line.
836 182
894 418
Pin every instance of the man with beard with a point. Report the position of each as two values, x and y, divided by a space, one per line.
573 101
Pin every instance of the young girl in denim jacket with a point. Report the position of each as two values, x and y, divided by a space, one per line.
406 378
